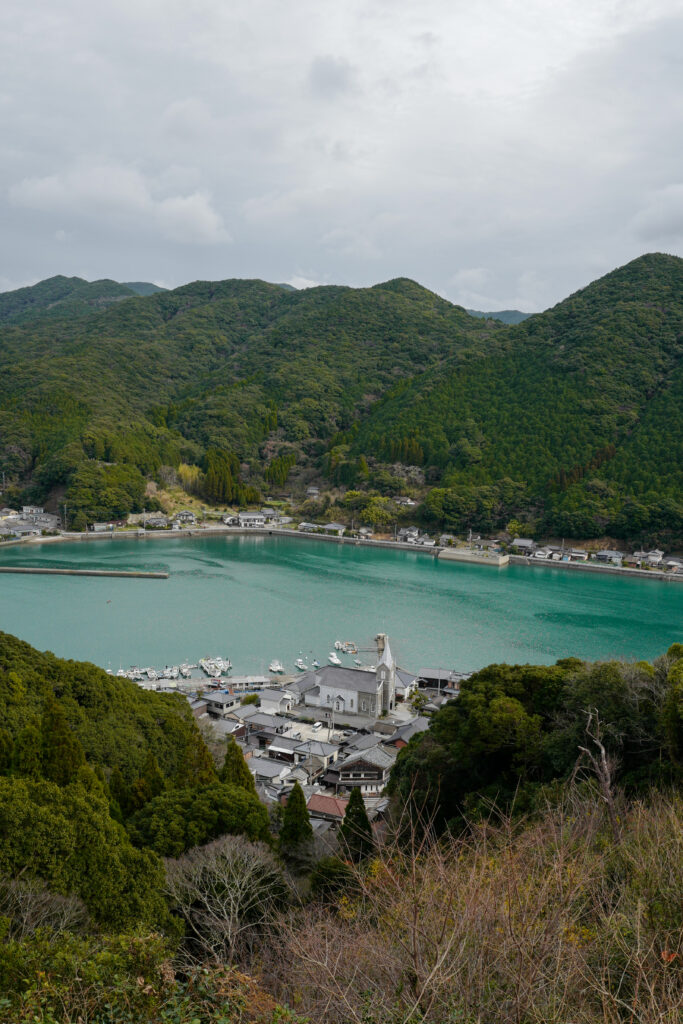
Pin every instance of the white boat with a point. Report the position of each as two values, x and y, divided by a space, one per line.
301 665
338 645
315 663
276 666
333 658
357 661
152 673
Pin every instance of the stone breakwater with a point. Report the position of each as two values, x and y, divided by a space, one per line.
36 570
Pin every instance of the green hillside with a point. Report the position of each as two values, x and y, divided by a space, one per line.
61 296
143 287
569 422
578 406
95 404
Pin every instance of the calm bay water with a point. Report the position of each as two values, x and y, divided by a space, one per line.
257 598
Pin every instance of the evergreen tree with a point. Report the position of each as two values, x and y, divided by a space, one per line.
235 771
121 800
6 750
62 753
196 767
150 783
355 833
296 825
26 757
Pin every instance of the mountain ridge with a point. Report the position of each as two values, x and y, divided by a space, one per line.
340 379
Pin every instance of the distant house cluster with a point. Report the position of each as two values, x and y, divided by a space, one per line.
654 559
30 521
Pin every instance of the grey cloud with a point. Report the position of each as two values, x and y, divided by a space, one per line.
533 145
329 77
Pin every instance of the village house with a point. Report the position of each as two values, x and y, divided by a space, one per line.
308 527
327 807
267 770
334 529
609 557
186 516
523 545
400 737
275 702
252 520
219 703
408 534
367 770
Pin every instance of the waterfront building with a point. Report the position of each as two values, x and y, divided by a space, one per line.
252 520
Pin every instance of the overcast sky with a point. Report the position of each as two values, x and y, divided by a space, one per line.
503 153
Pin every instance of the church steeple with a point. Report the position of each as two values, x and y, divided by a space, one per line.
386 672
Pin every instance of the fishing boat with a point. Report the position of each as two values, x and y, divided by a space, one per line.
315 663
357 661
333 658
338 645
301 665
277 667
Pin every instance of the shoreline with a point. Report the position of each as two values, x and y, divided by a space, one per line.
236 531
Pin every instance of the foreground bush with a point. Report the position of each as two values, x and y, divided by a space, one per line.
554 921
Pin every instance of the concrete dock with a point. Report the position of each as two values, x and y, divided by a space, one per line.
33 570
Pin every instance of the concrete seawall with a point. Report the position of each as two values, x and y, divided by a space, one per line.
612 570
36 570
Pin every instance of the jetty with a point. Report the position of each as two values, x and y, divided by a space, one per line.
473 556
33 570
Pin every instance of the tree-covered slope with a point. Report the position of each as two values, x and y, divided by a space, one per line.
164 378
62 296
579 404
569 420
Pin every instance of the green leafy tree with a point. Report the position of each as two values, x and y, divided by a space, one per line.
235 771
27 754
355 833
62 753
178 819
6 750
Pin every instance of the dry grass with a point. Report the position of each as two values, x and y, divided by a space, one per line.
550 922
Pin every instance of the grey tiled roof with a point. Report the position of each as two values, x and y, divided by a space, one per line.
343 678
378 756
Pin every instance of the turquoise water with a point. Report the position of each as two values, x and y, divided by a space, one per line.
258 598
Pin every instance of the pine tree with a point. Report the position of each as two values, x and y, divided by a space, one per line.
235 771
296 825
355 833
61 750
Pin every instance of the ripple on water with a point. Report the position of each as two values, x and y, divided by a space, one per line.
256 598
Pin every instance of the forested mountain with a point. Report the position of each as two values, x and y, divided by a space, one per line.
506 316
61 296
570 422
